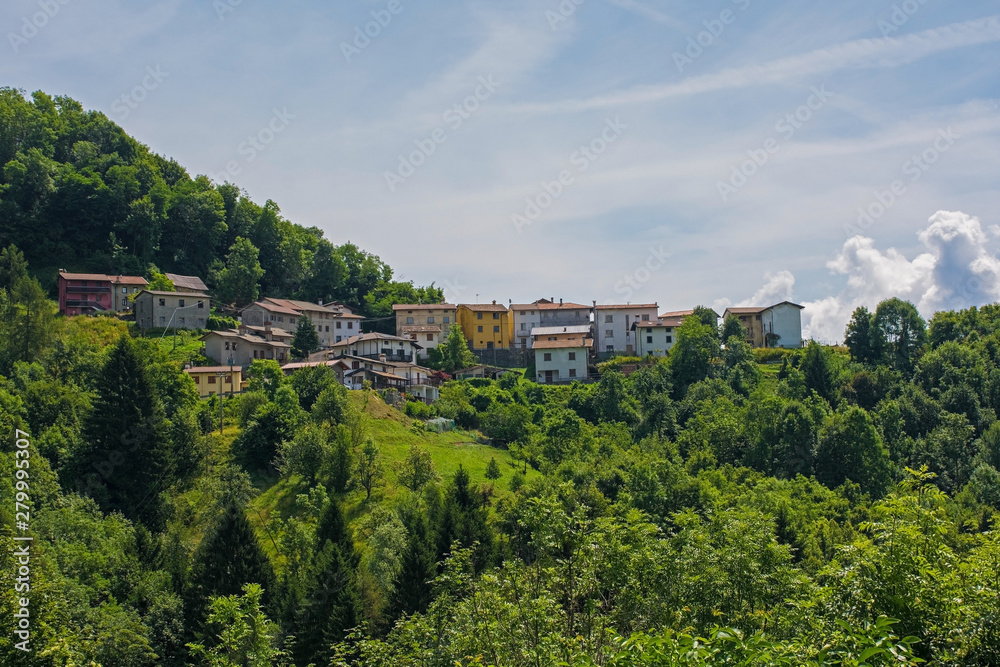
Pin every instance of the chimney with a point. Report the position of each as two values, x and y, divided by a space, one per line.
319 302
560 302
242 329
381 358
494 302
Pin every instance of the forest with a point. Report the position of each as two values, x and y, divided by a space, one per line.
719 506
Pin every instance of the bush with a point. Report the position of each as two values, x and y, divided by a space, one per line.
222 323
419 410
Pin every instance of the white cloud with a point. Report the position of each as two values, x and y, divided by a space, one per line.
649 13
777 288
958 270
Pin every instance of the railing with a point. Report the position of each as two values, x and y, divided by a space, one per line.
70 289
74 303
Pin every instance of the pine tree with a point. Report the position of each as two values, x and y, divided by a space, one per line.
305 340
128 460
412 587
493 470
227 559
816 369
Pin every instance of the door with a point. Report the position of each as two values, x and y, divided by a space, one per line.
548 377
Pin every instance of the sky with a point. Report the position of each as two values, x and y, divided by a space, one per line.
683 153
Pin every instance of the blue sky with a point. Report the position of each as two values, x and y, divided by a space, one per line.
651 210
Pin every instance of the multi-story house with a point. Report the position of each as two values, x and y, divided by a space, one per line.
182 310
240 348
89 293
211 380
376 345
426 323
384 374
545 313
559 361
189 284
486 326
779 325
613 326
333 324
657 337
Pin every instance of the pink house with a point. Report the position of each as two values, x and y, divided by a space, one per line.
89 293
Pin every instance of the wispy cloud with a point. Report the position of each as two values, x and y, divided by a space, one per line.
649 13
863 53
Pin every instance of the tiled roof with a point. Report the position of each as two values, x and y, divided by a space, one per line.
275 308
419 328
85 276
249 339
311 364
128 280
423 306
630 306
213 369
549 305
552 331
183 295
748 310
187 282
678 313
370 336
484 307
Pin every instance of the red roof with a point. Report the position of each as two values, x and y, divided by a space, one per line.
630 306
484 307
423 306
128 280
85 276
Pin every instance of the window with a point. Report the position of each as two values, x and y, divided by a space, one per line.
522 313
430 337
413 336
670 339
182 321
524 326
409 320
608 319
609 333
197 379
548 356
338 338
163 321
649 339
649 329
180 303
163 302
489 345
338 325
291 320
255 354
645 318
479 329
124 290
572 372
496 329
496 316
328 328
609 348
430 320
227 344
280 318
201 304
758 318
447 320
572 356
211 379
479 316
350 325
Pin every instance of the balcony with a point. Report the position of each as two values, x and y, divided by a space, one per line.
75 303
70 289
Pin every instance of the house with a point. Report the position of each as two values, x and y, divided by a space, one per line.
779 325
545 313
182 310
558 361
124 290
485 325
480 371
426 323
407 378
375 345
241 349
187 284
216 379
89 293
332 323
338 366
562 333
613 326
657 337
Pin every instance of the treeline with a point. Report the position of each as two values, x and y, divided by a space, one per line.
78 193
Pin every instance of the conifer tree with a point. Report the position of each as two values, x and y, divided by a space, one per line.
305 340
412 587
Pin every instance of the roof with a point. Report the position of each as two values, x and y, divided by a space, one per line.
561 344
85 276
187 282
295 304
746 310
420 328
484 307
214 369
128 280
545 304
274 308
552 331
678 313
183 295
424 306
630 306
371 336
670 322
249 339
311 364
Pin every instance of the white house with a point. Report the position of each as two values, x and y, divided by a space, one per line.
656 338
376 345
240 349
559 361
180 310
527 317
779 325
405 377
332 323
613 326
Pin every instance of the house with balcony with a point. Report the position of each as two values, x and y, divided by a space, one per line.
545 313
486 326
333 324
561 361
613 326
427 323
239 348
156 309
381 373
210 380
779 325
89 293
376 345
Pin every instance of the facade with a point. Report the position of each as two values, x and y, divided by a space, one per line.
89 293
338 366
241 349
545 313
183 310
405 377
613 326
188 284
779 325
332 324
377 345
486 326
427 324
215 379
656 338
561 361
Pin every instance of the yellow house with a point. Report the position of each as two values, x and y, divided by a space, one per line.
211 379
485 325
